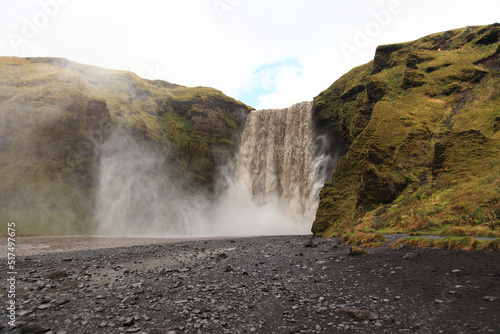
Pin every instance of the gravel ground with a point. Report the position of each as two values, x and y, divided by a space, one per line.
288 284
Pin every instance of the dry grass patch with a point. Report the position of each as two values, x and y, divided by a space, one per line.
365 240
469 231
455 243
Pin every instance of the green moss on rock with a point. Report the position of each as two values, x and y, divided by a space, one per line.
55 114
421 123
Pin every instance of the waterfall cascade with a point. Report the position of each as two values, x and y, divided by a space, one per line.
281 166
278 161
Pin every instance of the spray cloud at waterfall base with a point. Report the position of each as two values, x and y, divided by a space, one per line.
280 168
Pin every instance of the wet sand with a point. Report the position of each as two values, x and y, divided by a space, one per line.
26 246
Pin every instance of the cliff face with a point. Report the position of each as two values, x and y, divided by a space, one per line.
55 114
422 120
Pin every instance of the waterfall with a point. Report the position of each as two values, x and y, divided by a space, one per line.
281 167
134 196
280 164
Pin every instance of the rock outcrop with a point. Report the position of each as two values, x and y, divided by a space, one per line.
55 114
422 123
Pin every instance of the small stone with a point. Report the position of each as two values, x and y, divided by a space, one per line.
358 251
61 302
128 321
294 330
360 314
33 328
45 306
489 298
438 301
56 275
228 269
128 300
156 331
222 256
310 244
25 312
408 256
456 271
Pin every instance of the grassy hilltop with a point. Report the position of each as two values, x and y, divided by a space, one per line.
423 121
55 114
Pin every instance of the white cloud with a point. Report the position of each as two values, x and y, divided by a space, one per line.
280 78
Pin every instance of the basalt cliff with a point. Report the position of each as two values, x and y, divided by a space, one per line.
422 120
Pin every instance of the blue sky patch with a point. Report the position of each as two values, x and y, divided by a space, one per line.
266 77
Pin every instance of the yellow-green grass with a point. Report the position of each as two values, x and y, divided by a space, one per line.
454 243
365 240
424 139
475 231
471 202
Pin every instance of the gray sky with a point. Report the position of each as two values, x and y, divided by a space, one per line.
266 53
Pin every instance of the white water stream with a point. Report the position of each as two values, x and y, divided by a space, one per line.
280 170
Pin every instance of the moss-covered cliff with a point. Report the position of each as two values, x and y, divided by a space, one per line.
54 115
423 121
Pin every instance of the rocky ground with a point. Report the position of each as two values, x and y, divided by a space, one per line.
286 284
